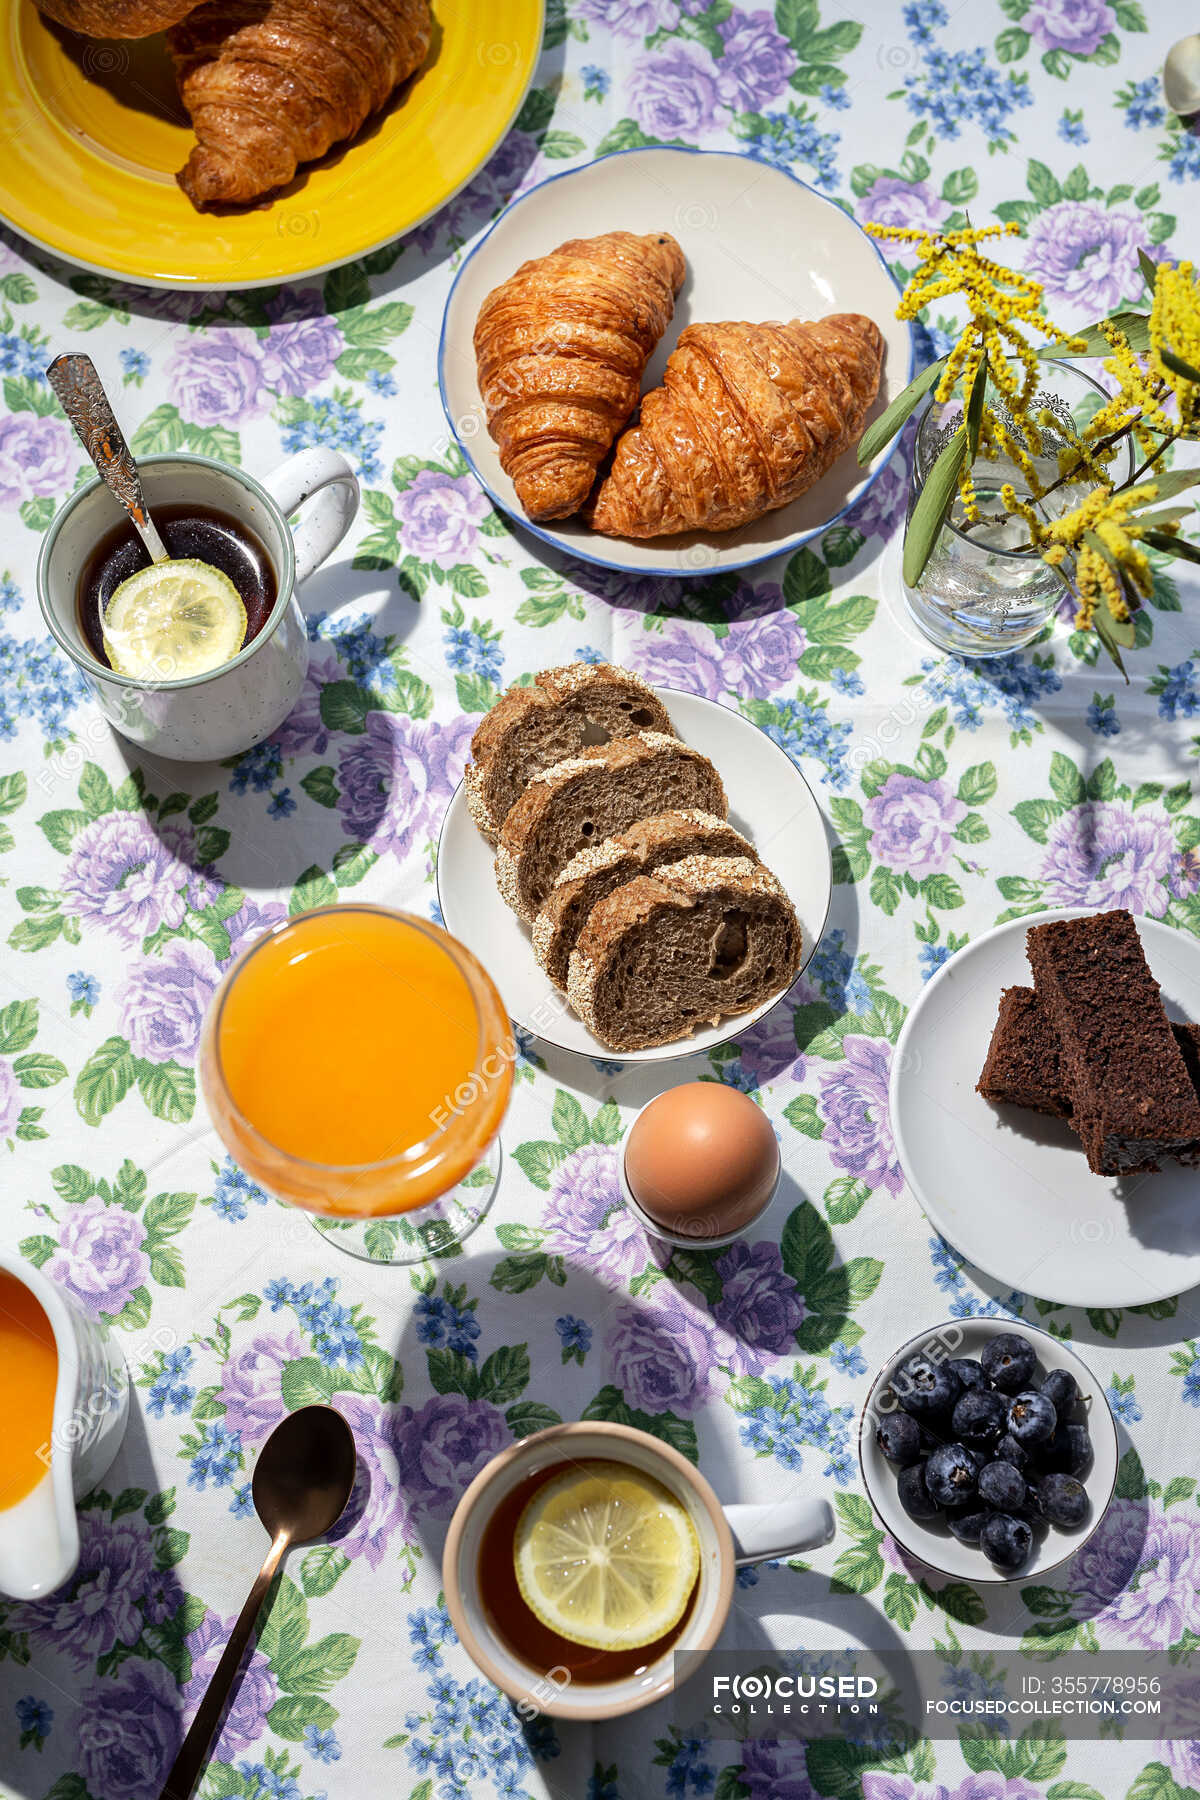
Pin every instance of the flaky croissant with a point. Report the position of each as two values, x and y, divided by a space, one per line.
747 418
116 18
270 84
561 348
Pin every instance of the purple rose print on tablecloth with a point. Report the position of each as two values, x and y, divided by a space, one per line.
767 1052
1103 855
505 169
439 516
378 1510
1138 1576
854 1104
912 204
11 1101
98 1606
675 92
304 730
36 459
1086 255
256 1692
664 1355
1182 1755
444 1445
449 751
391 796
774 1770
757 62
250 1385
679 656
216 379
165 998
300 351
912 823
249 922
121 876
761 653
587 1221
988 1785
128 1732
631 18
99 1259
759 1305
1073 25
880 1784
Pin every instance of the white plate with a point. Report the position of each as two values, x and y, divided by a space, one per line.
769 802
759 245
1010 1189
932 1542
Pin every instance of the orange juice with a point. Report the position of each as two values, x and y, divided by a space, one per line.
357 1061
29 1360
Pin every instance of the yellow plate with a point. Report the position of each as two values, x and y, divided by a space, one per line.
93 133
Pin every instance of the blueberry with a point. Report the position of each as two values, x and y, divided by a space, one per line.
1079 1450
969 1373
950 1475
979 1417
1031 1419
1008 1450
1002 1486
967 1522
1064 1500
1006 1541
914 1495
927 1389
899 1437
1062 1391
1008 1361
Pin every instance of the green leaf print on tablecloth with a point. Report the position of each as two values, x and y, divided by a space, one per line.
23 1069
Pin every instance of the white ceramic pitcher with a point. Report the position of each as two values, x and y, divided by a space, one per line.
39 1536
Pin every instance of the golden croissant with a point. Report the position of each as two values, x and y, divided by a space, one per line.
747 418
561 348
271 84
116 18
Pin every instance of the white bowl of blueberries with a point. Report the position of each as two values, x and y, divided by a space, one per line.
988 1451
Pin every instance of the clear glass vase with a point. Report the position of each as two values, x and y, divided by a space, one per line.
980 593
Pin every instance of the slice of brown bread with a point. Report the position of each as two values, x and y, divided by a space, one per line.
590 797
675 951
532 728
650 844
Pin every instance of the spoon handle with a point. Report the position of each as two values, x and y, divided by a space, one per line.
193 1754
82 397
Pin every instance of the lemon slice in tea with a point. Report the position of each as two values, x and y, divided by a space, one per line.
606 1556
177 618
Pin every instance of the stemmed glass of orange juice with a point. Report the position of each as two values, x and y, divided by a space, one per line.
357 1062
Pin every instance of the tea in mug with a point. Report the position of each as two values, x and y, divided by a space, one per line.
29 1358
603 1550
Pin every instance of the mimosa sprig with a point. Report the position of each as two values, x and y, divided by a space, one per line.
1098 547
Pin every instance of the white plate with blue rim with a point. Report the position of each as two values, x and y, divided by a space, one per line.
1011 1189
759 245
769 802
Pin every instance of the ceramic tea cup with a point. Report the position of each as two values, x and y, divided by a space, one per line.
729 1537
202 718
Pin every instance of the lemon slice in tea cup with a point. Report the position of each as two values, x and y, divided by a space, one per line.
174 619
606 1556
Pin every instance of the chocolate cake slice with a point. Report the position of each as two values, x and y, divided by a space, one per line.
1132 1098
1022 1061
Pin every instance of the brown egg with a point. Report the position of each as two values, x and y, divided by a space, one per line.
702 1160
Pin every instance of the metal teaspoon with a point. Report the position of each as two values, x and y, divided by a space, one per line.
82 397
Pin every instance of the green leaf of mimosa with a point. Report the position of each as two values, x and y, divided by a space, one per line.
882 430
1171 545
933 504
1149 268
1134 326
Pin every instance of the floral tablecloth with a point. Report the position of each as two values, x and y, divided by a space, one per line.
959 794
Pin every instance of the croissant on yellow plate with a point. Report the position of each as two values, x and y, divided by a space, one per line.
561 348
747 418
115 18
271 84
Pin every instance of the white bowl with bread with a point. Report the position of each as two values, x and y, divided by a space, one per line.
663 361
644 872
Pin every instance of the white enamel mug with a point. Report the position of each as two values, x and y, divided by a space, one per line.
39 1536
203 718
729 1538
